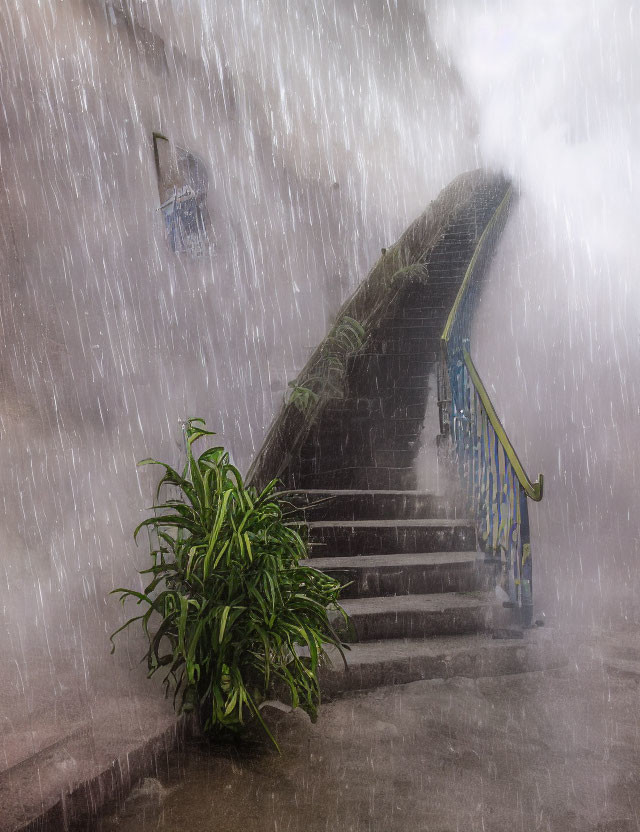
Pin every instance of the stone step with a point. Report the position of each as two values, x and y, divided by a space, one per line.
460 237
443 292
364 436
349 456
384 575
465 224
368 386
394 457
432 309
415 616
358 477
354 504
339 538
388 366
422 295
419 345
380 406
362 439
123 738
41 737
342 424
402 404
359 443
426 320
457 252
457 273
451 260
375 664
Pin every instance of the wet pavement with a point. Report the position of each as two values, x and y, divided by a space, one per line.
549 750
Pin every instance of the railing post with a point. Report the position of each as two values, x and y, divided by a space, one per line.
444 397
526 565
497 486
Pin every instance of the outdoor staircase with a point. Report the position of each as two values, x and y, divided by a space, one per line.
369 438
420 597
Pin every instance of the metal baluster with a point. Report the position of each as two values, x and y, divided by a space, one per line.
526 566
495 491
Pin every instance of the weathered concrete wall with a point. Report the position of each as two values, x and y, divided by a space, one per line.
324 131
109 339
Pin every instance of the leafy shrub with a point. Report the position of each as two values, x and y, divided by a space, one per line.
327 377
229 609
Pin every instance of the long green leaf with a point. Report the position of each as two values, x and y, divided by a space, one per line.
225 588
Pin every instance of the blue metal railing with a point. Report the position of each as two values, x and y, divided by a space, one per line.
495 484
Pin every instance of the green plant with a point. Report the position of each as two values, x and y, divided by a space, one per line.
347 336
229 609
302 396
344 339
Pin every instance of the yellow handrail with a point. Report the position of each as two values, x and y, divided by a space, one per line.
533 489
467 276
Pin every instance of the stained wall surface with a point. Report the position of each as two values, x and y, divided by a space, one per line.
323 131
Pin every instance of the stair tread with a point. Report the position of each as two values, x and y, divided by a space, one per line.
436 602
426 522
365 468
394 649
367 652
367 491
391 561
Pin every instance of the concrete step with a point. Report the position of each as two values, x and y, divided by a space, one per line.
399 661
358 444
412 312
394 457
369 386
415 616
413 327
332 426
452 261
122 738
359 504
339 538
418 345
42 737
421 297
359 477
382 365
405 574
348 455
399 403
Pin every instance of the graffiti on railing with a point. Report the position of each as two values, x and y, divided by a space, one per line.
496 486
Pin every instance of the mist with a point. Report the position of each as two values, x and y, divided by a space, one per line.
554 90
324 131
